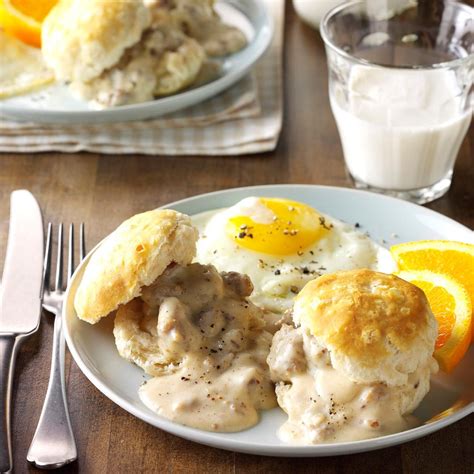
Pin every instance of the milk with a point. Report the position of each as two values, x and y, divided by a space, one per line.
400 129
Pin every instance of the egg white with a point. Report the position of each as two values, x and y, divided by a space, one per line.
278 278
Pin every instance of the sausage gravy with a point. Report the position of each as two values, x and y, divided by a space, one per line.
212 372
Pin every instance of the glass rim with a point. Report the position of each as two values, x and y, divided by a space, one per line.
323 28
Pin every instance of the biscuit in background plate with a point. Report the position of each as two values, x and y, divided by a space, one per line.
82 38
133 256
163 62
179 69
199 19
22 68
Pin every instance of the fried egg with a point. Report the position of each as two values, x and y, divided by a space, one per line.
282 244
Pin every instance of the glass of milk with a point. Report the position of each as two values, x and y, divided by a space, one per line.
401 89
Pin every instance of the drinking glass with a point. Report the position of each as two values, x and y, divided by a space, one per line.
400 86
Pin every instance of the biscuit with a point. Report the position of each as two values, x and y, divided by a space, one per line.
133 256
187 310
179 69
199 20
82 38
377 327
138 345
163 62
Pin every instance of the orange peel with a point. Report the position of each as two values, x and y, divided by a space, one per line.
451 305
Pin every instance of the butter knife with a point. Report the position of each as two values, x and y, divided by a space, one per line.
20 300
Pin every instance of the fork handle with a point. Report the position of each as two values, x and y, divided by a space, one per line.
8 347
53 444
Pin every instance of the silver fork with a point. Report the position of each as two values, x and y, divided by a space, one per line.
53 444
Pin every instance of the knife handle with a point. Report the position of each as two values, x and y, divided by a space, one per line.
8 349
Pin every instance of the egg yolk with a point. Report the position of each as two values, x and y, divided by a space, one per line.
293 227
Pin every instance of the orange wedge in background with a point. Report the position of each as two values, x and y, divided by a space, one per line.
22 18
451 305
455 259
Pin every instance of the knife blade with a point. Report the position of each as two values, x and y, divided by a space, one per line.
20 299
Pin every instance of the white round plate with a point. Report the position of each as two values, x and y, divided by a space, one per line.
389 221
56 104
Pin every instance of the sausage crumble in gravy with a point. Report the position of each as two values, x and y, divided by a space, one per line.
205 344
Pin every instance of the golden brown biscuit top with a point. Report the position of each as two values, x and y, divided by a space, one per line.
364 315
82 38
132 257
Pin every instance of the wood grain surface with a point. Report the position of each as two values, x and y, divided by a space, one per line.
103 190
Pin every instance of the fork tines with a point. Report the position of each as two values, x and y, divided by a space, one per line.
59 285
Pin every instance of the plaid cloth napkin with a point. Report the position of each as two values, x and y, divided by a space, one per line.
246 118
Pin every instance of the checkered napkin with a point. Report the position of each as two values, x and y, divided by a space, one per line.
244 119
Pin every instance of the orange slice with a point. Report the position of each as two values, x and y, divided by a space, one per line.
451 305
455 259
22 18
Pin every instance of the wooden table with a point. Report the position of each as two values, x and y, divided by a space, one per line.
103 190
